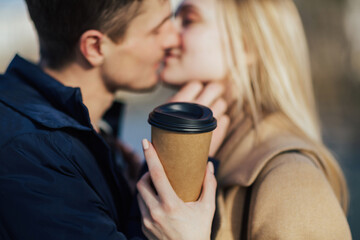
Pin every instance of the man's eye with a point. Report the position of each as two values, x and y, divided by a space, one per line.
156 31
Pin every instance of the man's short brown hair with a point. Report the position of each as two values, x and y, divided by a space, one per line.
60 23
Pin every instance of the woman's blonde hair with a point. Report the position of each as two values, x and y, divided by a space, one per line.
279 78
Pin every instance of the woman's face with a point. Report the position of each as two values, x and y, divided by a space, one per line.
199 56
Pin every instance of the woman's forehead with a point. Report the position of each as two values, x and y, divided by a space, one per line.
175 4
203 7
202 4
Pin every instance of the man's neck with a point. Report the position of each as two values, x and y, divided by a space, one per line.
96 96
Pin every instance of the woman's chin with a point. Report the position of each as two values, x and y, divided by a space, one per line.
172 78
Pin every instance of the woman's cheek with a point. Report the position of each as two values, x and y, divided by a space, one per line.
196 46
204 59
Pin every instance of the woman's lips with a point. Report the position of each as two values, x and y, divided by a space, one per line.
173 54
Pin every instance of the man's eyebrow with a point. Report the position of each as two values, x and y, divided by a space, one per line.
164 20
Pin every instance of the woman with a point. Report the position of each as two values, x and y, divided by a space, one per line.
276 178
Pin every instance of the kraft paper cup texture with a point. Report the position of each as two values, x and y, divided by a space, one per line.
184 157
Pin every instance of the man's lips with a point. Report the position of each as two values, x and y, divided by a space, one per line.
173 53
157 65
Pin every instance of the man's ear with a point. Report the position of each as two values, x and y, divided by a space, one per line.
90 47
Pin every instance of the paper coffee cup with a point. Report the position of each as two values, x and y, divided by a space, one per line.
181 135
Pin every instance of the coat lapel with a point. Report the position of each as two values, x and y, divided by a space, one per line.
243 156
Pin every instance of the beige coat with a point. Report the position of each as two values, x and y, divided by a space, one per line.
274 188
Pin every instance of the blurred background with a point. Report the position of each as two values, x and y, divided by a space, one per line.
333 31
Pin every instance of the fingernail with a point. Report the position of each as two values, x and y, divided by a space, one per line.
145 144
211 167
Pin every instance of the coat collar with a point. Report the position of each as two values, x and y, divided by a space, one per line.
29 90
246 151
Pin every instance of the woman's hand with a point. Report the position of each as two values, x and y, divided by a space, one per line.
164 214
209 95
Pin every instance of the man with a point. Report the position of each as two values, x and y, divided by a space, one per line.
57 177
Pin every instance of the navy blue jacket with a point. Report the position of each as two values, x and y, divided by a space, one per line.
57 177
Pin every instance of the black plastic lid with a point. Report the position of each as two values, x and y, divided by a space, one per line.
183 117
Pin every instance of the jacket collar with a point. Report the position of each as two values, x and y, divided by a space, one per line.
30 91
246 151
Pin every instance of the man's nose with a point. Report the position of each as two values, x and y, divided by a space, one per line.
170 36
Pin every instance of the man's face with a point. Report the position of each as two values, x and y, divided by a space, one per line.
133 62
